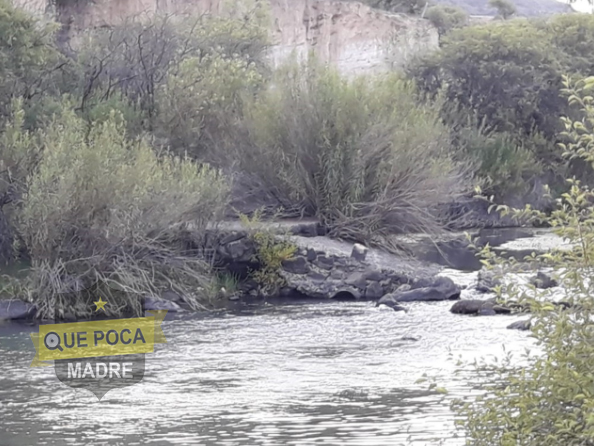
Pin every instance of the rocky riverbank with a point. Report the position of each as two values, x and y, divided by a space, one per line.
323 268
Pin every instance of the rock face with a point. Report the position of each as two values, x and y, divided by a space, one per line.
16 310
353 37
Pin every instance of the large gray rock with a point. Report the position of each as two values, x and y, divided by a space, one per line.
297 265
425 290
16 309
374 291
479 307
444 285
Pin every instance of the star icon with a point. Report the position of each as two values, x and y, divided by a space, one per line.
100 304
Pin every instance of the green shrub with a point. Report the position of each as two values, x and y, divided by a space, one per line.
272 250
102 210
549 401
363 155
502 162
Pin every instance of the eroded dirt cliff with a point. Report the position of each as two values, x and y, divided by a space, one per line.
350 35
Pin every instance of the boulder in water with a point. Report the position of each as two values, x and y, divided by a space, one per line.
425 290
479 307
391 304
520 325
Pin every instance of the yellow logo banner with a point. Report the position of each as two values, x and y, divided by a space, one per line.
112 337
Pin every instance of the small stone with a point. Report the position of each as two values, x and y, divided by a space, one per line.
316 277
326 263
311 255
159 304
399 308
298 265
357 280
337 274
374 275
359 252
236 250
171 296
305 230
520 325
404 287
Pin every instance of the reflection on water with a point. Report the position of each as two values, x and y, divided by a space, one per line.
315 373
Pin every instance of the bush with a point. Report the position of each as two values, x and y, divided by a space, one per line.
101 211
349 152
272 250
550 400
202 99
502 162
484 70
446 18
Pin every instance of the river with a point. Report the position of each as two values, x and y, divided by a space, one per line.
298 373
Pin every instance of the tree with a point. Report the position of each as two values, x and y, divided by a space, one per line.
505 8
405 6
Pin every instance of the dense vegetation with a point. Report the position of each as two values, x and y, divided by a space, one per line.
549 400
113 155
501 83
116 158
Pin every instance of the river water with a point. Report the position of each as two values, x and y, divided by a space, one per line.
299 373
